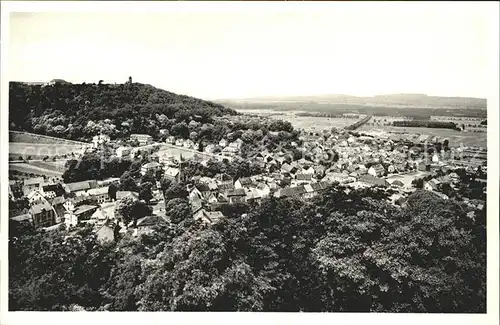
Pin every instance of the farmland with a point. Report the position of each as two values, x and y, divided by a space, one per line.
308 123
456 138
30 168
41 150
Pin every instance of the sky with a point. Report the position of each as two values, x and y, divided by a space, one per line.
268 50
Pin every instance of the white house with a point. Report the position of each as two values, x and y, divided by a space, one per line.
435 158
143 139
122 152
70 219
210 148
35 195
150 166
223 143
100 139
188 144
170 139
179 142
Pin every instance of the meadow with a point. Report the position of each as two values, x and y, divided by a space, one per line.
41 150
456 138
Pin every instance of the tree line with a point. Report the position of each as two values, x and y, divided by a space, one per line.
341 251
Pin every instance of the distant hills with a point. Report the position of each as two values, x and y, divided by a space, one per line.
392 100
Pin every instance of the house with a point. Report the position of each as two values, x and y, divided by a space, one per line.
51 190
372 180
376 170
304 178
43 215
195 198
84 212
99 194
99 140
209 148
225 187
223 178
207 216
35 196
123 152
223 143
170 140
332 177
179 142
147 224
143 139
31 184
236 195
70 220
432 185
101 215
172 173
189 144
263 189
424 167
435 158
297 191
58 205
307 170
397 183
154 166
106 233
79 188
122 195
244 182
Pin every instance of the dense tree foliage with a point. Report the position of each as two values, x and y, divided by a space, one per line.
344 250
427 124
79 111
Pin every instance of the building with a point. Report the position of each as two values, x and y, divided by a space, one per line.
170 140
243 182
223 178
207 216
236 195
147 224
79 188
172 173
122 195
31 184
43 215
99 194
189 144
154 166
84 212
99 140
35 196
376 170
143 139
372 180
106 233
123 152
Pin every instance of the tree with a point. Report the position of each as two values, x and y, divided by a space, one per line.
130 210
177 210
128 183
176 190
145 192
112 189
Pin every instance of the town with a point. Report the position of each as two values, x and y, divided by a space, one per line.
398 163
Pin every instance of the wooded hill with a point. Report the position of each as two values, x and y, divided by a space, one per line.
79 111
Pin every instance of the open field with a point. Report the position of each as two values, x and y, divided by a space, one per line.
31 169
456 138
303 122
25 137
40 150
